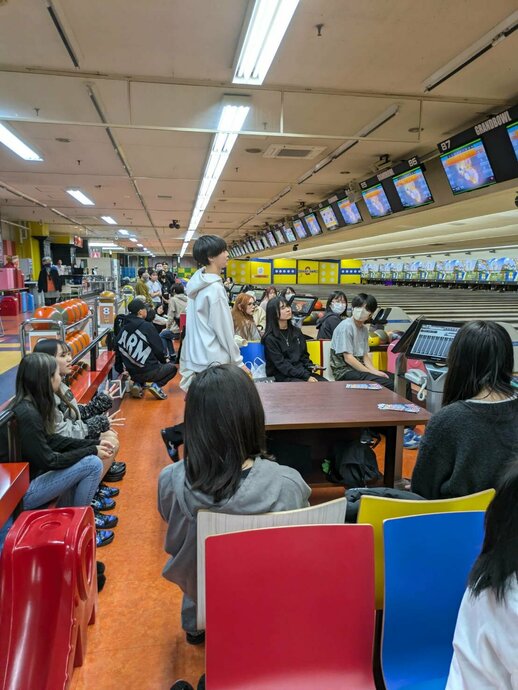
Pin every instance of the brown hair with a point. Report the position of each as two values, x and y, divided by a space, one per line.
243 322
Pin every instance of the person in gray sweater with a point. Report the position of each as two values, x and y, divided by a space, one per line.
226 469
471 439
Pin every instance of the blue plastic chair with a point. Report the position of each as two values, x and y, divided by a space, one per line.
427 562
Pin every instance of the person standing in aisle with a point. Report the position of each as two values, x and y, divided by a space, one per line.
49 282
209 332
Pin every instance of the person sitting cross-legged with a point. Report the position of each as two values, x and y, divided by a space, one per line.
142 353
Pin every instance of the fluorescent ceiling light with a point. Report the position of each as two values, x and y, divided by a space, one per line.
266 28
133 239
140 245
7 138
121 231
102 243
230 123
184 249
490 40
79 196
109 220
188 235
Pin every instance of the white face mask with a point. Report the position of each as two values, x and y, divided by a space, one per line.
360 314
337 307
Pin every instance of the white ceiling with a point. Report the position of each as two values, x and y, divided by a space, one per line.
159 71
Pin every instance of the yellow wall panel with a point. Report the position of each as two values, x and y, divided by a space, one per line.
307 272
328 272
284 271
239 271
350 271
260 272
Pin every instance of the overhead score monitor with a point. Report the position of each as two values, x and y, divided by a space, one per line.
288 233
271 239
279 236
313 225
432 340
467 167
300 229
350 213
512 131
376 201
328 217
412 188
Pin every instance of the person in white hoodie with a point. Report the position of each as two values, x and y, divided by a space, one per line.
209 330
485 643
225 470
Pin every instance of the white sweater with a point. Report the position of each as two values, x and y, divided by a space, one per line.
485 643
209 330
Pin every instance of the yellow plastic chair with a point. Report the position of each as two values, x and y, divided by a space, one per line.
375 509
315 351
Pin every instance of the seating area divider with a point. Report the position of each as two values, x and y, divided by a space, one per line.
48 585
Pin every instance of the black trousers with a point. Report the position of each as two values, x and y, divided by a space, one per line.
161 375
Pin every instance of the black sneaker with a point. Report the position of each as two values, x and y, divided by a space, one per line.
197 637
104 537
136 390
101 577
103 504
155 390
106 491
103 521
181 685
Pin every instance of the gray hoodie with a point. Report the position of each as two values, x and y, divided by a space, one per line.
268 487
209 333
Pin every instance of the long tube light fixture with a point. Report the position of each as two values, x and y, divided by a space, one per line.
9 139
268 23
490 40
109 220
231 121
78 195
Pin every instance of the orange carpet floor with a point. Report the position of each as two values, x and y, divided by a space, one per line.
137 642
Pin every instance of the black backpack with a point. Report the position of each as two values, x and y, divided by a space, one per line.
111 342
355 463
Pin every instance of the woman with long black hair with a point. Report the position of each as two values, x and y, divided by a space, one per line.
226 469
486 636
285 347
469 441
63 468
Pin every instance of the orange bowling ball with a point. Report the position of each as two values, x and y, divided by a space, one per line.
47 313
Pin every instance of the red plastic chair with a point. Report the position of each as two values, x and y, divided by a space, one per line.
291 608
48 596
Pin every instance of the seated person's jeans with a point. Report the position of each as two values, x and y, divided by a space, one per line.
167 337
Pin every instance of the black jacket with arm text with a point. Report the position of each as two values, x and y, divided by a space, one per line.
140 346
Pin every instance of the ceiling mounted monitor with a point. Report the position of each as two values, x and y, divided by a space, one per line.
313 225
271 238
376 201
300 229
328 217
412 188
288 233
512 131
279 236
467 167
350 212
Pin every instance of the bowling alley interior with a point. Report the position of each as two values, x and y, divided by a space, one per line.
205 208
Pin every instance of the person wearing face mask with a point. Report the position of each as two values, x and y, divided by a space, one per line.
336 308
351 359
49 282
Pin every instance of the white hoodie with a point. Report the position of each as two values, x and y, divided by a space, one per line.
209 330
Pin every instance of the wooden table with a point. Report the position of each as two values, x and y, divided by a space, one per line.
14 482
314 407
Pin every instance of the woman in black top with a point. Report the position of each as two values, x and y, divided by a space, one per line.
336 308
467 444
57 464
285 348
